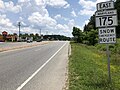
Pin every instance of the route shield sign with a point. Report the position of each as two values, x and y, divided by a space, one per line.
104 21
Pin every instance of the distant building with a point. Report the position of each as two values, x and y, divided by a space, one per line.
1 38
7 37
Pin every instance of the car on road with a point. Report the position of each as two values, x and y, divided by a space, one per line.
29 41
39 40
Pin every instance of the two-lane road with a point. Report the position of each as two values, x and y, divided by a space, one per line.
37 68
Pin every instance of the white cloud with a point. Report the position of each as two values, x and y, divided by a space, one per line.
7 25
15 9
38 19
33 13
66 29
58 16
58 3
53 3
41 2
98 1
5 22
71 23
60 27
51 24
73 14
63 30
86 21
89 7
22 1
67 6
9 6
1 4
87 4
86 12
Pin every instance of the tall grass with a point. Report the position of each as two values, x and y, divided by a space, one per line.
88 70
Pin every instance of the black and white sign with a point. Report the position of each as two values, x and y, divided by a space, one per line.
105 5
107 35
105 21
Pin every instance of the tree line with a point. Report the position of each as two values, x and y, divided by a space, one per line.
44 37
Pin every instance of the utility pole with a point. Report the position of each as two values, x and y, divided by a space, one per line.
19 25
40 32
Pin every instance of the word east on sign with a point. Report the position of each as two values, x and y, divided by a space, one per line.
105 5
107 35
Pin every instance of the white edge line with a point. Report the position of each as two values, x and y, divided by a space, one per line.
25 82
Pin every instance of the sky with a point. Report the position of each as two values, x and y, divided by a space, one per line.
53 17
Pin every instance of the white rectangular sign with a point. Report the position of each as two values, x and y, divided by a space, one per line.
105 5
105 21
106 13
107 35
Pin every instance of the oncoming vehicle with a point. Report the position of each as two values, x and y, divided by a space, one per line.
29 41
39 40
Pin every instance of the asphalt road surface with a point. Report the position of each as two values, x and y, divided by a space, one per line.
36 68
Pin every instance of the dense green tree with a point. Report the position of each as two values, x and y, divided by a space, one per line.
77 33
56 37
15 34
87 37
85 28
91 24
92 37
32 35
117 6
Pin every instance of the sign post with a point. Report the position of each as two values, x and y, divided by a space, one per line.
108 56
106 20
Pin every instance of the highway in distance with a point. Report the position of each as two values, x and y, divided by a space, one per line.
37 68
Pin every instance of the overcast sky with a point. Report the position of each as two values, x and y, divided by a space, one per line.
51 16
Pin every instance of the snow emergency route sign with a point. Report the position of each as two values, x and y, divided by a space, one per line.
107 35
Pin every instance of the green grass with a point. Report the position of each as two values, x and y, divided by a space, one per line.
88 69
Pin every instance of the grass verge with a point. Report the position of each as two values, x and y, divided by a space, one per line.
88 69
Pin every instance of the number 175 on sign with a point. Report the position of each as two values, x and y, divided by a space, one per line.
104 21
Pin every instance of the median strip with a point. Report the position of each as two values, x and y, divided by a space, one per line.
22 47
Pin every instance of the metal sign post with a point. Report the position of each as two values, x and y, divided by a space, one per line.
108 57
